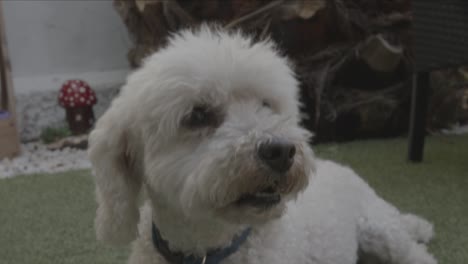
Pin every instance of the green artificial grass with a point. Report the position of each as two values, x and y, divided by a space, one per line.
49 218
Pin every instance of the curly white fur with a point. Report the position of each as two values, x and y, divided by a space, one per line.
194 175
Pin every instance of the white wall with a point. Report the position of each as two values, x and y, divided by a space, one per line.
51 41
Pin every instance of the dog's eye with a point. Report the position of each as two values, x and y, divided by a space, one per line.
201 116
266 104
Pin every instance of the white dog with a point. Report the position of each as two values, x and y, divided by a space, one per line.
208 127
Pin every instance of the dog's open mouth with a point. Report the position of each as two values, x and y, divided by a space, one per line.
264 198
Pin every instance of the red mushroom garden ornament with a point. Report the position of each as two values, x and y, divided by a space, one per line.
78 99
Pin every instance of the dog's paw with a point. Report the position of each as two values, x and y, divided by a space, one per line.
418 255
427 259
418 228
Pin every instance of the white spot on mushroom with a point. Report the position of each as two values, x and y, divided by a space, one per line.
88 102
77 95
72 104
82 99
69 90
78 118
82 90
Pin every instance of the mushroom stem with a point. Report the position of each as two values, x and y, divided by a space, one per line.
80 119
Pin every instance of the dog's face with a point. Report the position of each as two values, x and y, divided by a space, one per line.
217 117
221 130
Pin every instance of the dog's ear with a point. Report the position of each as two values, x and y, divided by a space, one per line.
117 181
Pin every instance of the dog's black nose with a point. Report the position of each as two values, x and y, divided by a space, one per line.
277 154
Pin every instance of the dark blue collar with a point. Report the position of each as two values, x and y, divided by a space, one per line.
214 256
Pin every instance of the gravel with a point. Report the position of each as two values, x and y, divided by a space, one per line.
36 158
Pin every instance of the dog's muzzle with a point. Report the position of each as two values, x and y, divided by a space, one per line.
278 156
